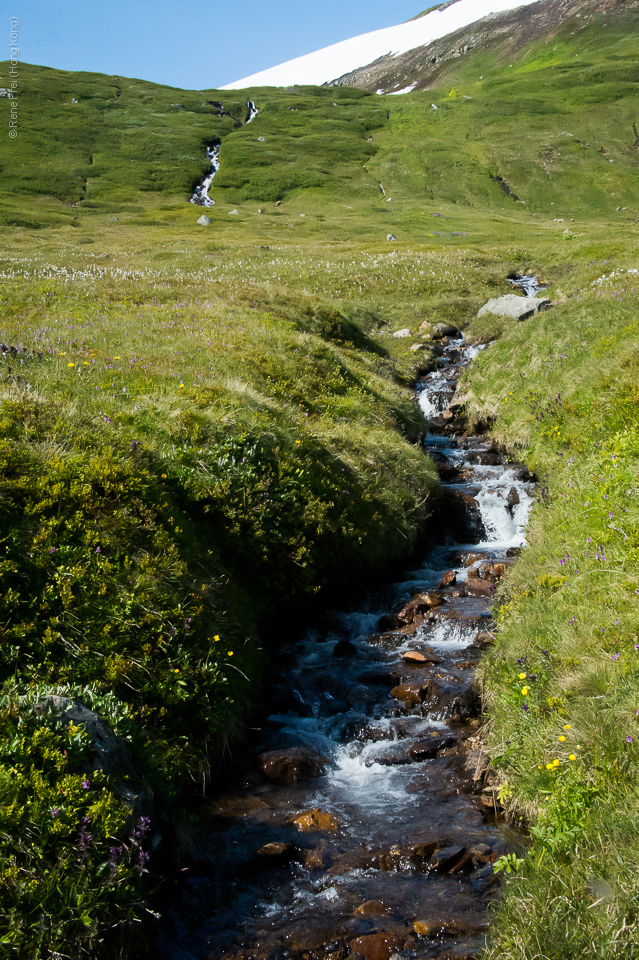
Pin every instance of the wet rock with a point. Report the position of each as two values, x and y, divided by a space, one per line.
513 551
429 600
389 621
316 820
512 499
447 472
476 587
376 946
462 515
451 696
473 574
277 851
344 649
484 458
409 693
289 766
469 558
481 852
446 857
417 659
427 749
449 579
371 908
519 308
484 878
413 607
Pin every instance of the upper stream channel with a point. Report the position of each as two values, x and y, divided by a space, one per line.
364 822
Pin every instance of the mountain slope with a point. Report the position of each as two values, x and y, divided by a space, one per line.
325 65
499 36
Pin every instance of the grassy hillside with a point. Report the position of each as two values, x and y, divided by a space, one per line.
206 428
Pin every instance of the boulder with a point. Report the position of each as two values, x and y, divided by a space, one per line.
415 347
405 332
426 327
390 237
450 696
476 587
204 221
519 308
277 851
389 621
233 213
289 766
344 649
376 946
108 752
416 659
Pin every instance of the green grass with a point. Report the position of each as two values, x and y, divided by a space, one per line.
208 430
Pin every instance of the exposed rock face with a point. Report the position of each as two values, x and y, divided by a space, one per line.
204 221
519 308
109 752
289 766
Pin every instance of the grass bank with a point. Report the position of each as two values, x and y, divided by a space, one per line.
562 682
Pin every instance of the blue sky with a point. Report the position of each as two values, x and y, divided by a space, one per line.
192 44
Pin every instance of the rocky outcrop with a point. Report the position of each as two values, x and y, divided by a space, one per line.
289 766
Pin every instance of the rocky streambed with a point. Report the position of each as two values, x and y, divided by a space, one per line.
366 823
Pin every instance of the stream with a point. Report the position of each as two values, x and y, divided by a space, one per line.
200 195
365 823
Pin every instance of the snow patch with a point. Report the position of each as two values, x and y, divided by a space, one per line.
332 62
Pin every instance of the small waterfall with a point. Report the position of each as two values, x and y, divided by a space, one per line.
200 195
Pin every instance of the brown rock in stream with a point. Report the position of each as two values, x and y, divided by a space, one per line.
371 908
314 820
409 693
289 766
376 946
449 579
428 600
476 587
417 659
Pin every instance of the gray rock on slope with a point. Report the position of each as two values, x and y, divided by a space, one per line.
204 221
519 308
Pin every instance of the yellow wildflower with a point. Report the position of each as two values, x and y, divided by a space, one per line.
216 637
561 739
522 676
230 653
70 364
572 757
524 691
567 726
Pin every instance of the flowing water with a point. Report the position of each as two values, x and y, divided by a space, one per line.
200 195
365 823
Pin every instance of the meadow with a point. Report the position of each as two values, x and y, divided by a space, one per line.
209 431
